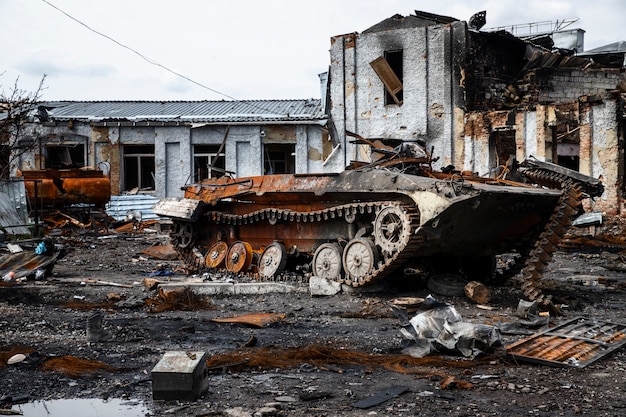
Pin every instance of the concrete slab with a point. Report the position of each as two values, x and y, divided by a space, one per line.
207 288
247 288
229 288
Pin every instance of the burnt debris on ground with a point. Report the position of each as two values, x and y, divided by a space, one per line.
104 316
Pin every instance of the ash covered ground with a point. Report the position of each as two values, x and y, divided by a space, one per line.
322 358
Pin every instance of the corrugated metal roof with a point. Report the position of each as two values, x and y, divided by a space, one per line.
189 111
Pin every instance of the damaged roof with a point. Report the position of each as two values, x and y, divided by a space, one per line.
419 19
245 111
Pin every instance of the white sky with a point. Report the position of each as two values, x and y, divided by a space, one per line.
243 49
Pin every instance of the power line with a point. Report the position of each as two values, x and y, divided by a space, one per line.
145 58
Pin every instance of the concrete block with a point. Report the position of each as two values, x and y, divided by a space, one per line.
247 288
180 376
206 288
323 287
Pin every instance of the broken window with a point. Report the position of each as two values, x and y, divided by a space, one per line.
501 150
67 155
138 167
279 158
208 162
390 71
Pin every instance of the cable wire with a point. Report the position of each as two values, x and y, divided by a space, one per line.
153 62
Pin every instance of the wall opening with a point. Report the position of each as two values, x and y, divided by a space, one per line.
501 150
279 158
65 156
566 153
138 167
208 162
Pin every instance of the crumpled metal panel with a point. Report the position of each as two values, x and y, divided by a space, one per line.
182 208
573 344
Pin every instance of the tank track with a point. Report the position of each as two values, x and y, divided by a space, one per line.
193 259
544 247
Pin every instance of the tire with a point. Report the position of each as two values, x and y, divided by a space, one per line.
450 285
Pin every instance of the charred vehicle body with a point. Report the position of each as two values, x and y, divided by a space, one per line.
376 219
76 191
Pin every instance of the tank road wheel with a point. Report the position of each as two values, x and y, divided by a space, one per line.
239 257
273 260
392 229
327 262
360 258
216 255
183 234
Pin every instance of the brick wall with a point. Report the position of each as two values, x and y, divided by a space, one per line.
562 85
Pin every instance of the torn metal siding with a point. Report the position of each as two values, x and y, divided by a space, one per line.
120 205
13 208
574 344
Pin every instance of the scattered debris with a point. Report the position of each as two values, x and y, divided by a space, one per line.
593 218
26 264
575 343
95 332
328 357
381 397
441 329
6 355
454 382
253 319
75 367
164 252
151 283
372 308
477 292
179 299
409 304
109 283
17 358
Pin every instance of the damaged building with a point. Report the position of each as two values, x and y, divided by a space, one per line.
478 98
156 147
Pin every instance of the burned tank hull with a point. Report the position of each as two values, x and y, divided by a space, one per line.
355 227
374 219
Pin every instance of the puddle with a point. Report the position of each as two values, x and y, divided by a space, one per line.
84 407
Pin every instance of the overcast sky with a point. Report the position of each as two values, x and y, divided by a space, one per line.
235 49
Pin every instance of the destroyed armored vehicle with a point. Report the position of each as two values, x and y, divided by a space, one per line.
380 219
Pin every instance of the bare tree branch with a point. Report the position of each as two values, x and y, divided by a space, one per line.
17 108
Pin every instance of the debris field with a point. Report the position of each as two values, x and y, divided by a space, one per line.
99 321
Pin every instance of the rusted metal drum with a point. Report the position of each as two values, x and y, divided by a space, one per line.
64 187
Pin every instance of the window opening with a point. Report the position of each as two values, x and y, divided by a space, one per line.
138 167
208 162
389 69
279 158
65 156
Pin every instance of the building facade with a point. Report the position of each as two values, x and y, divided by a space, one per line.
478 98
157 147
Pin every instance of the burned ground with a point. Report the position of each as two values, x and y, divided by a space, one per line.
322 357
